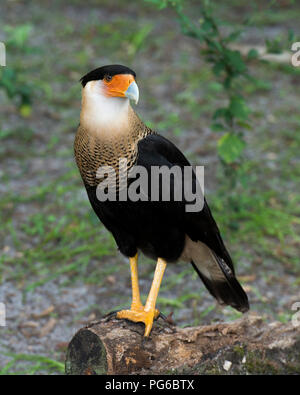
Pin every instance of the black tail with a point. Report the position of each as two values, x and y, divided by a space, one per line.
224 287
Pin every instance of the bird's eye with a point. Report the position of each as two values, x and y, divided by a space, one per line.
108 78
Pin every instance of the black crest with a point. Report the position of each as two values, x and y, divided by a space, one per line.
98 74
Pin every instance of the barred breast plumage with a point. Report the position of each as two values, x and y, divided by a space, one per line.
94 150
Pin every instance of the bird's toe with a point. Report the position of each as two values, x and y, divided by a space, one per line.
146 317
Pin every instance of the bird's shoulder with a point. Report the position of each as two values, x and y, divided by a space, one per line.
159 149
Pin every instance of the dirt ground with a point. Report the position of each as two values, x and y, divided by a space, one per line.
59 268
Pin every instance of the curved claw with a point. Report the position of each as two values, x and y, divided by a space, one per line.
161 315
147 317
110 315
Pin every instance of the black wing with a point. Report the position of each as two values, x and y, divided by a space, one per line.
217 271
199 226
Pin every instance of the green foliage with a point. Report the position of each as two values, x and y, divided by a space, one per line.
126 40
230 147
137 39
229 68
12 80
13 85
281 42
32 364
18 37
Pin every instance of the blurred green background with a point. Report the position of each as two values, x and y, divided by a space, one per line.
59 268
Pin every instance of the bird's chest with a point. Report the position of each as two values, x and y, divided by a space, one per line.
98 159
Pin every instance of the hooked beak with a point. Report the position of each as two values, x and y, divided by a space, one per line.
133 92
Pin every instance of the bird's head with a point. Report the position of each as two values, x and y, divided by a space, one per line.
106 93
113 81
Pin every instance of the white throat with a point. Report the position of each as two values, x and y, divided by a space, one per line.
102 114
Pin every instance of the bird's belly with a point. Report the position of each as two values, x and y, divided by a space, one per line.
157 236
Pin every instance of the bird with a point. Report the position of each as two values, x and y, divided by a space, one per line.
110 130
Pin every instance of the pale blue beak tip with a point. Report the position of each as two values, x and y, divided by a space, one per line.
133 92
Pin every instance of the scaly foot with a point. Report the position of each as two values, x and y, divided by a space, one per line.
138 314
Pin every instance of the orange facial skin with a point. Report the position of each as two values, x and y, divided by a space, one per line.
118 84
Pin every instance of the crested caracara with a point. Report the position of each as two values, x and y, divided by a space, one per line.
110 130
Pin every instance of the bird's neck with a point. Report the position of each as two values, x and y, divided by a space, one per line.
109 131
105 117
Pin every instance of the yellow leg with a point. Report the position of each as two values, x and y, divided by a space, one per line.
138 313
136 303
150 310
